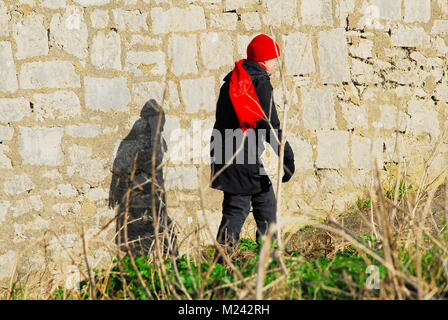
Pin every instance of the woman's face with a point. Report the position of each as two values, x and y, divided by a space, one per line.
269 64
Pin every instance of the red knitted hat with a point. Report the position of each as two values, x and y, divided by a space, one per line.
262 48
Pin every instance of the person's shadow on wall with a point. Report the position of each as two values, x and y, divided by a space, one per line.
137 187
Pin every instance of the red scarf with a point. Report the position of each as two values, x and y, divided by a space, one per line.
244 98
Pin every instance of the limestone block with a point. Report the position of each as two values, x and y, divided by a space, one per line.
48 74
4 20
355 116
13 109
183 54
387 9
173 98
4 206
8 78
145 62
364 154
83 130
31 203
31 37
97 194
298 53
280 12
69 32
231 5
404 36
131 20
440 27
18 184
5 161
58 105
6 133
363 49
251 20
225 21
423 119
54 4
193 19
99 18
303 152
332 149
317 12
198 94
216 50
181 178
106 50
86 3
7 265
392 118
332 52
318 108
144 91
41 146
64 209
417 10
106 94
343 9
62 190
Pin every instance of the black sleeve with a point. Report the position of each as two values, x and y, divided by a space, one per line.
264 92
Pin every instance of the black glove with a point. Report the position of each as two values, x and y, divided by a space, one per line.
289 168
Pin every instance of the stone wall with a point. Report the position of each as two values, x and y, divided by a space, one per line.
363 76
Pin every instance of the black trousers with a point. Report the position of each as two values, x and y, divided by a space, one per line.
235 209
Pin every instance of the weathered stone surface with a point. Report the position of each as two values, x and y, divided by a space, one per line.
251 20
318 108
423 119
355 116
146 91
332 52
13 109
392 118
106 50
242 43
32 203
181 178
343 9
364 154
363 49
18 184
317 12
7 264
304 159
8 78
225 21
134 20
54 4
5 161
62 190
86 3
183 54
280 12
387 9
403 36
332 149
4 206
106 94
216 50
97 194
440 27
99 18
31 37
48 74
69 32
193 19
64 209
417 10
198 94
231 5
84 130
6 133
41 146
145 62
57 105
4 20
298 54
92 170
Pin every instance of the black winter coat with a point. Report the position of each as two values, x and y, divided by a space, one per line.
248 176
